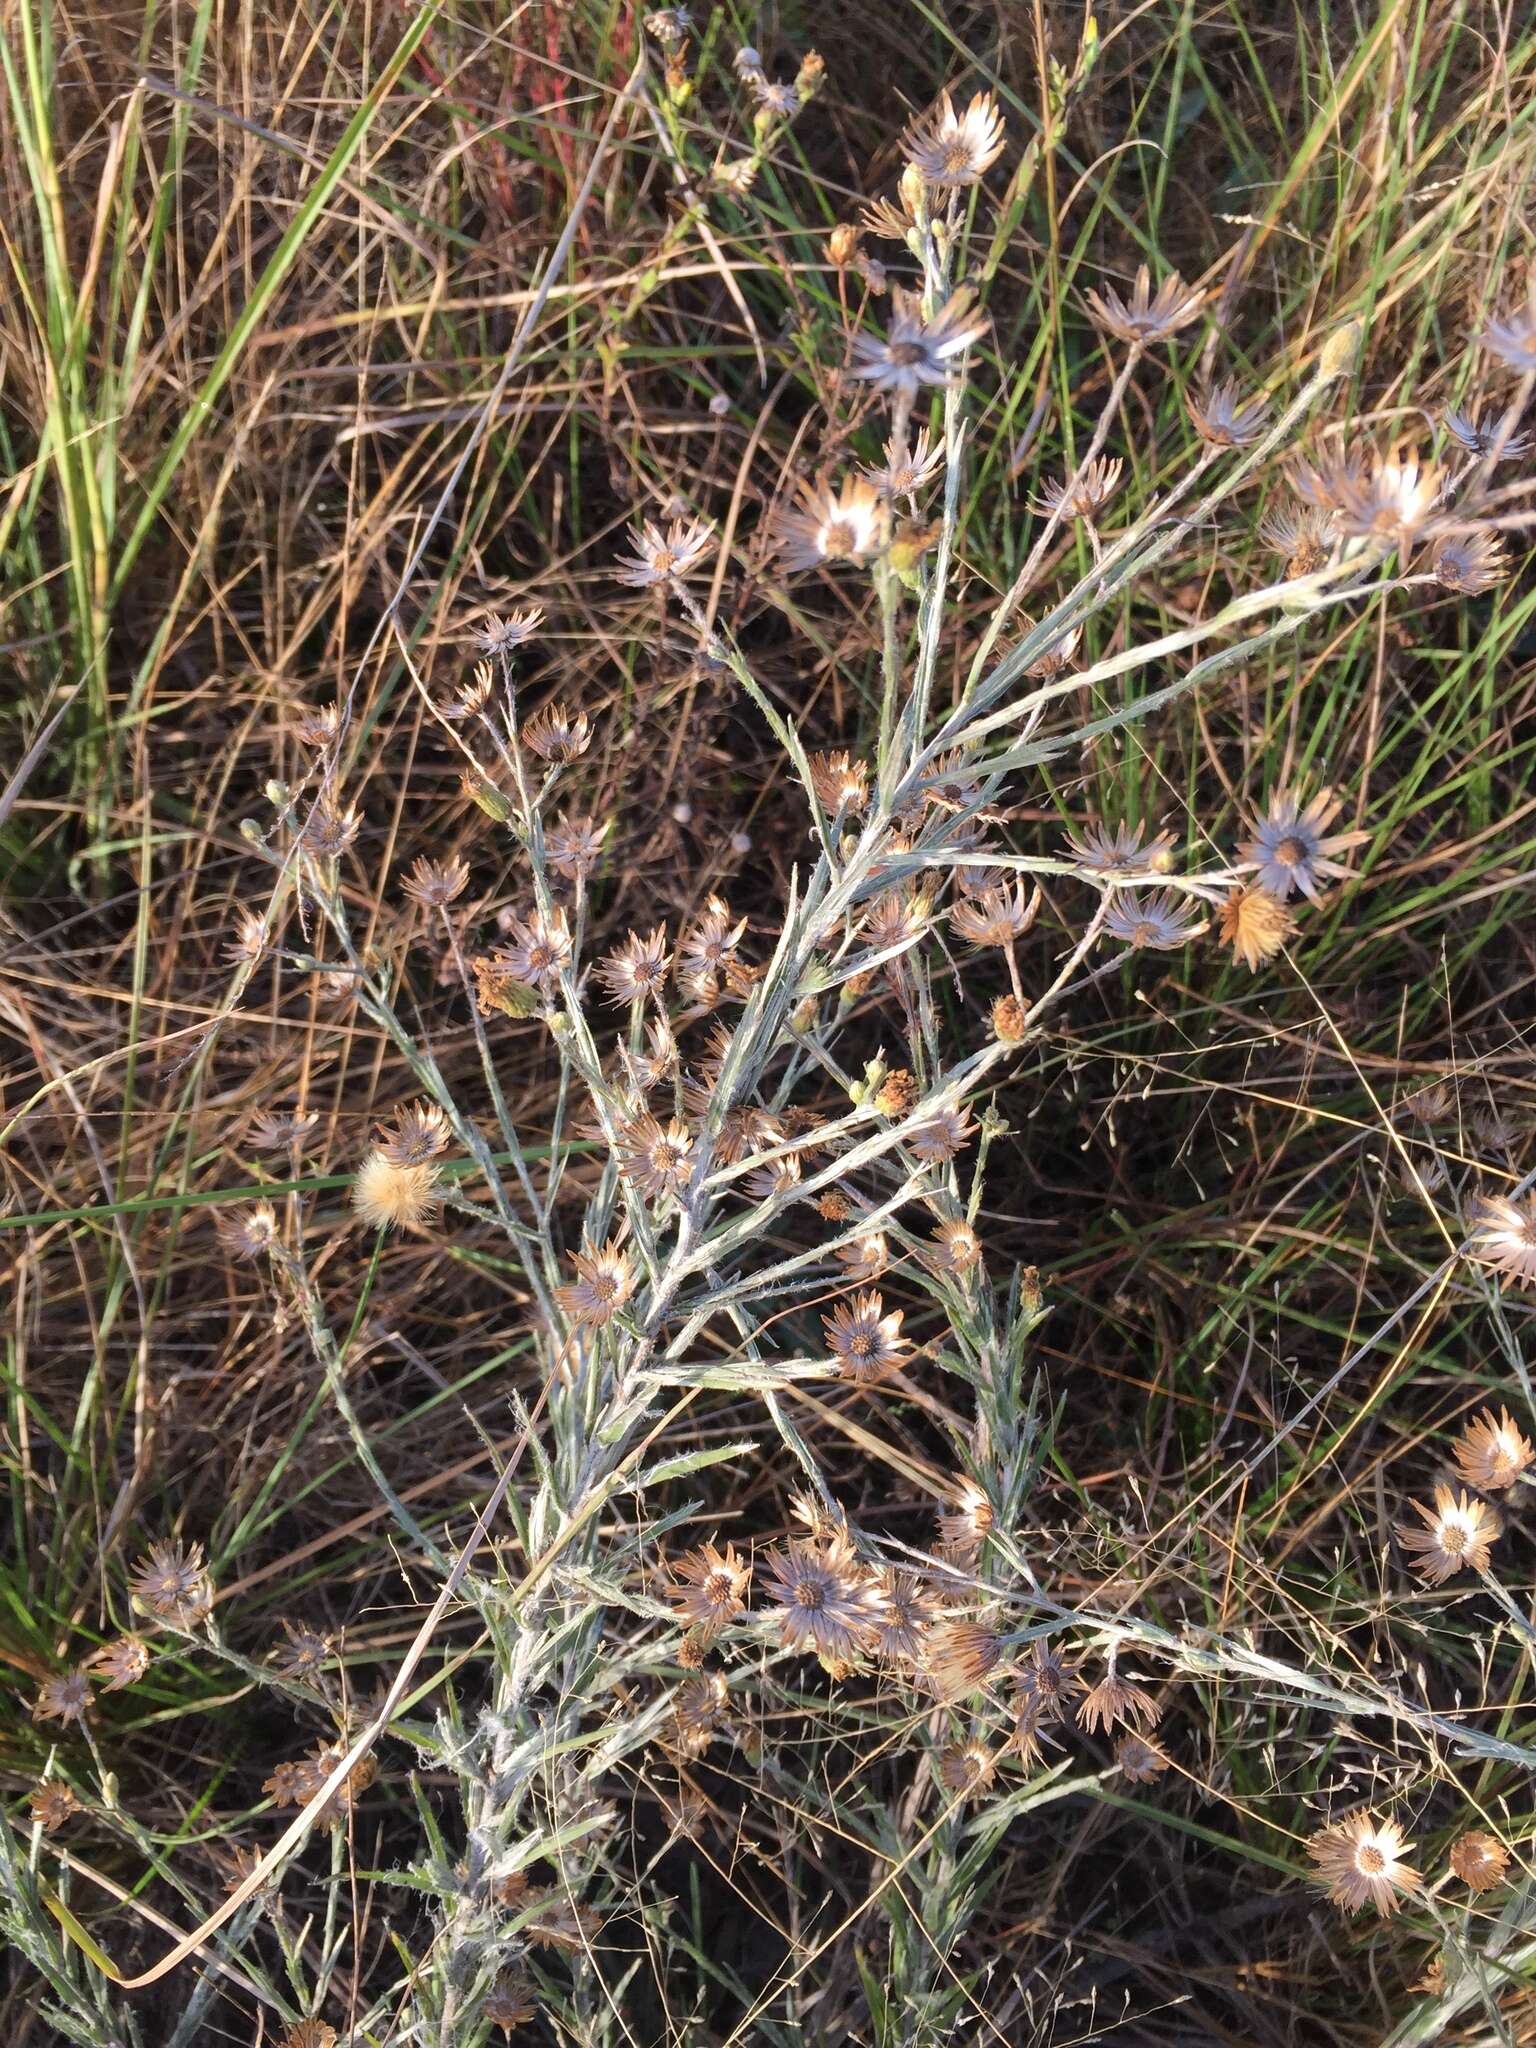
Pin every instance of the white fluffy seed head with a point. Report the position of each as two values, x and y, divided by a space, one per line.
391 1196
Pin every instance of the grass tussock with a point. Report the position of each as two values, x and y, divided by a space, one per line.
766 1102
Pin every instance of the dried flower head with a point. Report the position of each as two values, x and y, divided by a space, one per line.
1084 494
1010 1023
563 1923
558 734
1144 317
1159 923
1291 848
1458 1533
1323 483
436 883
967 1767
953 150
328 832
664 557
1117 1702
963 1527
668 24
865 1343
573 845
1361 1861
282 1130
250 942
1470 562
996 917
1491 1452
941 1137
1512 336
957 1248
824 1599
316 725
866 1256
248 1232
1050 1682
897 1093
538 949
501 634
907 471
1121 850
120 1663
302 1781
1304 534
638 969
1390 502
840 782
389 1196
1481 433
309 2034
777 101
961 1656
916 353
848 524
172 1583
512 2002
656 1157
418 1133
709 953
498 992
698 1707
1254 924
1139 1762
1056 659
1220 417
303 1652
605 1281
709 1587
64 1698
1479 1860
905 1619
1504 1237
53 1803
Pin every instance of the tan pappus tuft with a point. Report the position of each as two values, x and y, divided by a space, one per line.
897 1093
1479 1860
960 1657
967 1767
1010 1022
1254 924
964 1526
1491 1453
390 1196
246 1233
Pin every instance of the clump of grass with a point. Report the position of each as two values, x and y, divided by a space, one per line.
740 1401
